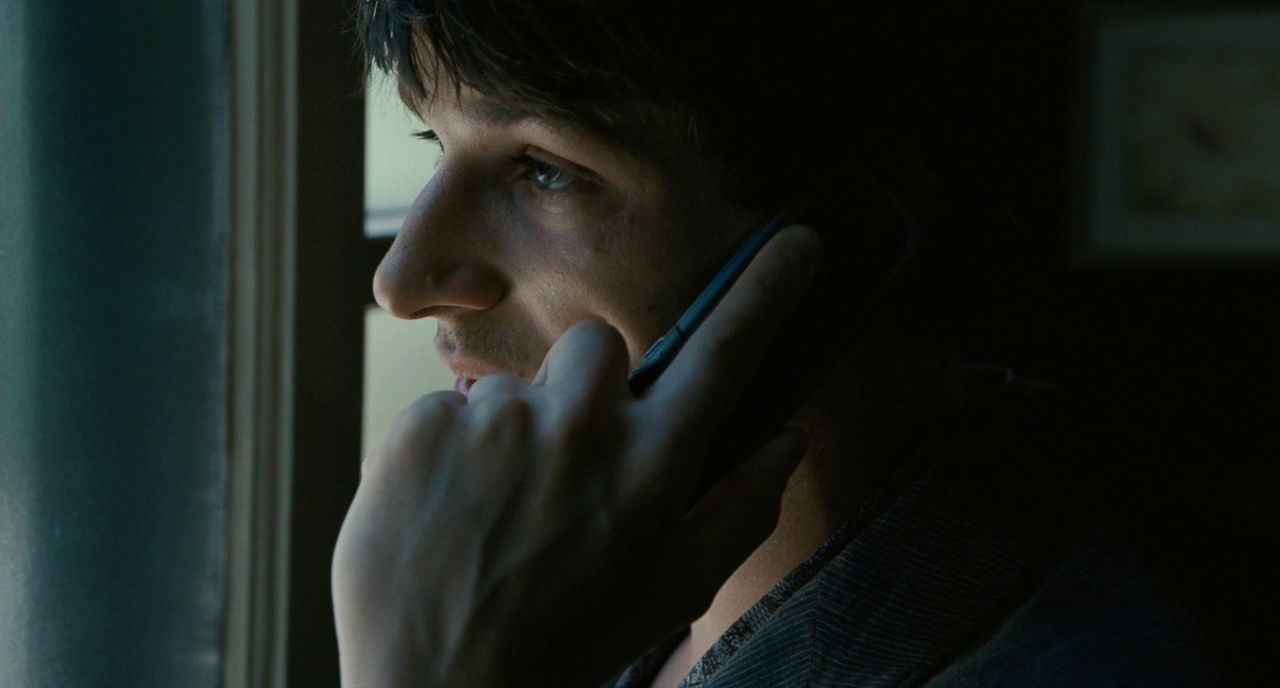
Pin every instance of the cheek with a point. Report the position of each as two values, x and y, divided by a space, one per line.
643 292
636 269
598 279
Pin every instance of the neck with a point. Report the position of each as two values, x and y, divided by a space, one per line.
855 446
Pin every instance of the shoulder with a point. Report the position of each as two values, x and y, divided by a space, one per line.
1096 618
1091 612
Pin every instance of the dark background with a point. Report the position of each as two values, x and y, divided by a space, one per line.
1179 364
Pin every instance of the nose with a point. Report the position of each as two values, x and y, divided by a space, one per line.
437 265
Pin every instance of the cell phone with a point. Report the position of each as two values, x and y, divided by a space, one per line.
664 350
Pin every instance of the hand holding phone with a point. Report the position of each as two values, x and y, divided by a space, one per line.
663 351
544 512
889 246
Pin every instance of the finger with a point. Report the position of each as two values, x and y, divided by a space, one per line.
421 422
586 377
737 513
589 358
705 379
493 385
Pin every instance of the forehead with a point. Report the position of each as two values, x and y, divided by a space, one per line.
480 110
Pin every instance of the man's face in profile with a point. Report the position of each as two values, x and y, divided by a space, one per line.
529 226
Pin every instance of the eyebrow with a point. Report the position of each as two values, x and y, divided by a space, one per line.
499 113
496 112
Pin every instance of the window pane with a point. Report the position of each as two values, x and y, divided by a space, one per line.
397 165
400 365
112 328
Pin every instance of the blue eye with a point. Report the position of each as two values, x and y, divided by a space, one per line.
546 176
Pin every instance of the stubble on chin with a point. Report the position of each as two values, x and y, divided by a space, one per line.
503 348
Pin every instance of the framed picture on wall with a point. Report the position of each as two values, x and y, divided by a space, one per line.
1179 144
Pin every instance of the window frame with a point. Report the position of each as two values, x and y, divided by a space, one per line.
264 43
301 270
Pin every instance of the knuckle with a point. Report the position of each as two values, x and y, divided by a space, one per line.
603 342
432 409
429 406
349 566
494 384
502 417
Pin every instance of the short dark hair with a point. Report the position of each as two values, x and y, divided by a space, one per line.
782 95
785 97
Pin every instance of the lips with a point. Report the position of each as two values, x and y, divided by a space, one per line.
468 370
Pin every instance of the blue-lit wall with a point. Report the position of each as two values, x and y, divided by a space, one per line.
112 342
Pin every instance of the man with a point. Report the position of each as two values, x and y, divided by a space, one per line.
546 524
